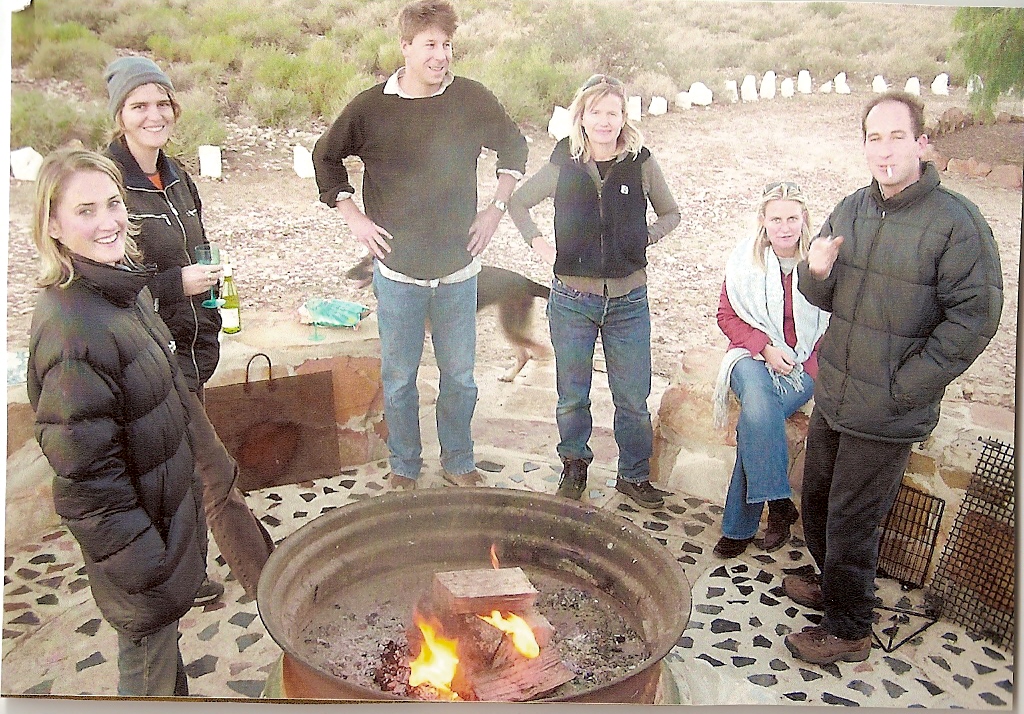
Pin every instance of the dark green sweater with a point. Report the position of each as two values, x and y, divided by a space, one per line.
420 168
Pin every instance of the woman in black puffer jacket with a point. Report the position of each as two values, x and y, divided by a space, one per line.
112 418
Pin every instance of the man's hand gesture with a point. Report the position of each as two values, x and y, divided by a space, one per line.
822 254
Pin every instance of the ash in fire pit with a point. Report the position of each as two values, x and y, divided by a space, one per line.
364 639
339 594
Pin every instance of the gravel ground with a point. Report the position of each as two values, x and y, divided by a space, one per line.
285 246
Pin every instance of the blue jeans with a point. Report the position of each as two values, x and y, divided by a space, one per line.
624 324
403 311
761 471
151 666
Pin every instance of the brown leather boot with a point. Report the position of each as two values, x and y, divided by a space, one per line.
573 482
804 590
817 646
781 515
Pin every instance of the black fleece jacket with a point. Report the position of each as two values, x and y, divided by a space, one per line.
170 227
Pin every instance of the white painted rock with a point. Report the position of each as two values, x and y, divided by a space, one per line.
940 85
701 94
560 123
878 84
786 88
826 88
974 84
803 82
913 86
731 92
683 100
25 163
841 86
659 106
302 160
768 85
748 90
634 107
209 161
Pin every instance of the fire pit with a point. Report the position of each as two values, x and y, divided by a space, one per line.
357 566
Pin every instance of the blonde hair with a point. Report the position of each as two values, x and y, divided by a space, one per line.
118 131
593 90
55 259
781 191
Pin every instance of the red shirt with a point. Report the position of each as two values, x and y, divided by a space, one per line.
742 334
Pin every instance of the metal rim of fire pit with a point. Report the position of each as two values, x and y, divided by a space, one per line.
455 528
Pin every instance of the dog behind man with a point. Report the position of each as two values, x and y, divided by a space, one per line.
511 293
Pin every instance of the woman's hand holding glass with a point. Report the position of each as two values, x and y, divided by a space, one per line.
209 254
198 278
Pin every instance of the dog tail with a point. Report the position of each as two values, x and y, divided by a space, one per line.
539 291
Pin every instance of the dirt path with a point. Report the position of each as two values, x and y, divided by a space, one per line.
286 247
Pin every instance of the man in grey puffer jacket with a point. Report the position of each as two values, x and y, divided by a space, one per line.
910 272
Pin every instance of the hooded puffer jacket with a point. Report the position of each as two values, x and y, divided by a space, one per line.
170 227
111 419
915 297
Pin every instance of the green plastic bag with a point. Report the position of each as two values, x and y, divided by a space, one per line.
330 312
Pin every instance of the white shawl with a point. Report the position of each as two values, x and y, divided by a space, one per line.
756 296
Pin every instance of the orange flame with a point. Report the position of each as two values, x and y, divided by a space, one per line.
522 636
436 663
494 557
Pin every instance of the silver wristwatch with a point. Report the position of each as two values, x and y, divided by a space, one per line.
500 205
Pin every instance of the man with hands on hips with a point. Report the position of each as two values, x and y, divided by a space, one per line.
419 135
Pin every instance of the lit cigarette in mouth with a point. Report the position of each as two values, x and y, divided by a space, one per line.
888 171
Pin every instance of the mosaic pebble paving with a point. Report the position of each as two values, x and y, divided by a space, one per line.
732 652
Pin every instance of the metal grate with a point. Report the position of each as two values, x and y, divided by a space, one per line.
909 535
974 583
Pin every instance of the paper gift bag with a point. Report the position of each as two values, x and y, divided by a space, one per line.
280 430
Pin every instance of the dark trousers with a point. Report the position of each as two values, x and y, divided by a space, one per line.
242 539
849 487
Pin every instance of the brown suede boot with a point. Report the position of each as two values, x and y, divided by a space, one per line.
817 646
781 515
804 590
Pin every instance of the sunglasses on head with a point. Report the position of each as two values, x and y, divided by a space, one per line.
786 186
601 79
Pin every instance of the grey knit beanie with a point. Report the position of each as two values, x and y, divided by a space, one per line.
126 73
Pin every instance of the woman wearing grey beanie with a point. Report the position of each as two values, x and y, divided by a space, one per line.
163 201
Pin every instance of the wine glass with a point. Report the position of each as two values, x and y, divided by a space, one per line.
317 337
209 254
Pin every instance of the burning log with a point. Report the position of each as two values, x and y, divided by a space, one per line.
523 679
499 640
479 591
506 653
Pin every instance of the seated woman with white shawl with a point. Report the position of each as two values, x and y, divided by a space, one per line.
771 364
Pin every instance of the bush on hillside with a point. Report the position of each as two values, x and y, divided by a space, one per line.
200 123
132 30
46 123
83 58
277 107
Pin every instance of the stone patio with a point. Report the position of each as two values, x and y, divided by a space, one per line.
56 644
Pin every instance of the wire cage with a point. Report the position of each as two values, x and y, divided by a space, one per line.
909 535
974 582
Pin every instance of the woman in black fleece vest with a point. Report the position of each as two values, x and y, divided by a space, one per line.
601 178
